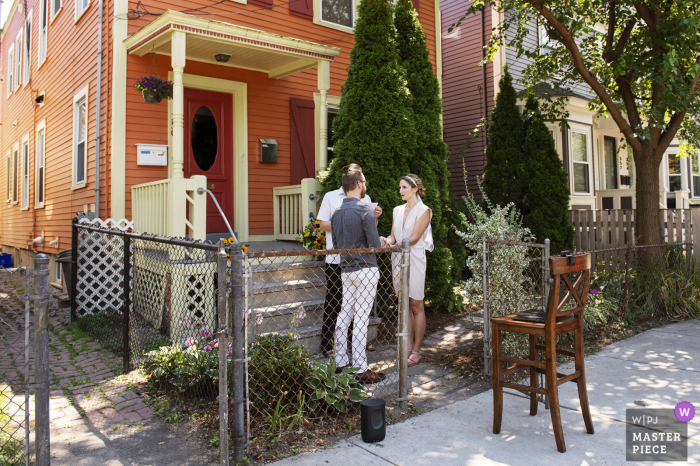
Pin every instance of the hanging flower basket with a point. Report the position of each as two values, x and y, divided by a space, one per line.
154 89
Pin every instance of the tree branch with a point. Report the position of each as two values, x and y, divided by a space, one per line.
669 132
611 33
646 14
629 100
570 43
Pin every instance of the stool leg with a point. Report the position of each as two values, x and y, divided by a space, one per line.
533 375
581 380
553 392
497 370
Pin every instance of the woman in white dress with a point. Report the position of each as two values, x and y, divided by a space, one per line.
412 221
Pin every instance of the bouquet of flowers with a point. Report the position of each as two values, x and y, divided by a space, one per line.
312 237
230 241
158 87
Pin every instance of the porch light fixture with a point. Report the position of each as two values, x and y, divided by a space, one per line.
222 57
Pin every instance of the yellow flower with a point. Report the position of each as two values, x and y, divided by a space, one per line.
306 235
245 249
317 223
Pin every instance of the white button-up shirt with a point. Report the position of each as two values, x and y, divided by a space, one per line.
331 201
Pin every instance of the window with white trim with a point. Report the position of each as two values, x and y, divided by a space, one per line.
15 173
610 153
581 159
56 8
11 69
57 272
25 174
340 12
28 48
43 30
18 61
332 113
80 137
674 172
8 171
695 173
39 164
80 7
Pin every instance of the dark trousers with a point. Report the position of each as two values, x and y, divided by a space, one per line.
332 305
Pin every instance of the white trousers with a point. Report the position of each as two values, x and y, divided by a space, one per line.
359 291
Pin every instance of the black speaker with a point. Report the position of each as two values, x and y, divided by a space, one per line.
372 420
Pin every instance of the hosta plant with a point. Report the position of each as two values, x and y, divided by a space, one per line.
331 390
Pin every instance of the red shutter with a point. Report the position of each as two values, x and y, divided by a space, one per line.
415 6
261 2
302 140
303 8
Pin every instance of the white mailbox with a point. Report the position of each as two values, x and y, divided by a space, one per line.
152 154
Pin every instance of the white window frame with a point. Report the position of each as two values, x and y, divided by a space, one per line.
54 11
40 146
332 101
18 59
24 173
11 69
27 47
8 176
556 134
318 12
43 31
695 156
78 99
678 175
580 129
79 14
14 196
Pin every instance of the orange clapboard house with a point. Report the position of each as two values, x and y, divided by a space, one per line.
250 76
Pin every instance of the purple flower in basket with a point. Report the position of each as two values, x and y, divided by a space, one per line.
162 88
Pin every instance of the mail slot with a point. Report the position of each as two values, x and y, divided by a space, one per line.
268 150
210 185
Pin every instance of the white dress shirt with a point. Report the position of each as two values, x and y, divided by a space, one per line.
331 201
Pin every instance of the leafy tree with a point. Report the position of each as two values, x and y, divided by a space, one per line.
547 192
643 67
375 123
503 181
446 262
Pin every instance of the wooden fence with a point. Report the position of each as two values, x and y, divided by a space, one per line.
609 233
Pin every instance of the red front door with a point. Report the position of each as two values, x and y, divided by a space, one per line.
209 150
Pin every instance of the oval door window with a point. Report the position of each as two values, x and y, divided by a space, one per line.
204 138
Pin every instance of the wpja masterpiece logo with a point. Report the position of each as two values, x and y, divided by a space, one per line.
659 434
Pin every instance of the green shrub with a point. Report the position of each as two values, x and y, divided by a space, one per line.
193 370
105 326
11 449
331 391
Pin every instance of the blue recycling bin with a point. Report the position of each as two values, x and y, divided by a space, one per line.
6 260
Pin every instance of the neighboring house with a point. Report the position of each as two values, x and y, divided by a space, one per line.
250 77
600 175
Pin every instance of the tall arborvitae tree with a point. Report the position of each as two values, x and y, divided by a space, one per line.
546 193
374 126
504 167
429 161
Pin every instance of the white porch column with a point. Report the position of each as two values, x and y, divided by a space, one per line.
178 50
324 83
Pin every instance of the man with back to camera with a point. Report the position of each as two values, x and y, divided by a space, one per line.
354 225
334 286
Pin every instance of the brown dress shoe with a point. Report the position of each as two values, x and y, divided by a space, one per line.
368 376
339 369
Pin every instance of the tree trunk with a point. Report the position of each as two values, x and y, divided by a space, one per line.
646 164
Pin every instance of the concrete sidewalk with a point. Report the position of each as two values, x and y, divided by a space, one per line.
661 366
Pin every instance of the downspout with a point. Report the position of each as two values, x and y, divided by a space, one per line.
98 102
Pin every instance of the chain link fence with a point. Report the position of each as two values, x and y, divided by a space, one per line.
319 340
24 372
273 341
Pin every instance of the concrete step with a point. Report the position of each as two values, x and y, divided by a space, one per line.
295 290
310 335
271 272
279 317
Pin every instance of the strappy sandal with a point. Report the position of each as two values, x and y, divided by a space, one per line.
409 357
412 362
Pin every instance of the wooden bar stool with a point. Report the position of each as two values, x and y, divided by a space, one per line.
557 321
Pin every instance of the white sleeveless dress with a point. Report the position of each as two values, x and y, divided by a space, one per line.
419 263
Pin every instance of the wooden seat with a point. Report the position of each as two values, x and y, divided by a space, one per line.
558 320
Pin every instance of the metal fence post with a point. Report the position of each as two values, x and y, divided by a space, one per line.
222 335
74 270
41 359
127 301
403 325
237 343
485 309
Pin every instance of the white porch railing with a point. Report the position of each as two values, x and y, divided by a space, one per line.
292 205
171 207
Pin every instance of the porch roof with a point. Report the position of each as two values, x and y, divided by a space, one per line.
250 49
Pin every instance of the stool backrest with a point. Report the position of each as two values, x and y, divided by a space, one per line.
575 287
